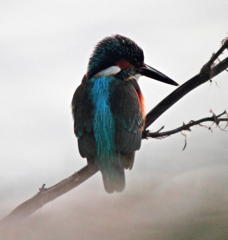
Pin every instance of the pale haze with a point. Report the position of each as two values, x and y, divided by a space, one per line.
170 193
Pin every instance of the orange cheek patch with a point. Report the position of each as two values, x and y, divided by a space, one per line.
123 64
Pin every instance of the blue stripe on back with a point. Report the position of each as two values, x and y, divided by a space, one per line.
103 122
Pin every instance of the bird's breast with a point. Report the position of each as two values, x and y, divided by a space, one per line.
141 103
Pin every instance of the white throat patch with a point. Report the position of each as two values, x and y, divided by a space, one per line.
137 76
113 70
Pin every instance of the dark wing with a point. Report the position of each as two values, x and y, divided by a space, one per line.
128 116
82 114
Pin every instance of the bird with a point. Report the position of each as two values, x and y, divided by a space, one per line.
108 108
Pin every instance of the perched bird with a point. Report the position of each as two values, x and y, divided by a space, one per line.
108 108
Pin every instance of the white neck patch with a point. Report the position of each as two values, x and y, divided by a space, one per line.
137 76
113 70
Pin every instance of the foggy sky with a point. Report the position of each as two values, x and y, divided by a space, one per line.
44 50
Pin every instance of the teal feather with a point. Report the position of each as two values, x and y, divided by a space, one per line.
107 158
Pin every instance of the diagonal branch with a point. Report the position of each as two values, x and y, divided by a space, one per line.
206 73
46 195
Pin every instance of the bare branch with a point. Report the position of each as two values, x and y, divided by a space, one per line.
206 73
215 119
46 195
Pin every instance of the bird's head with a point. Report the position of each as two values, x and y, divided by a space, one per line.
118 54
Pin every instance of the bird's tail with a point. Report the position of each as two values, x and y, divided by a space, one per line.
112 170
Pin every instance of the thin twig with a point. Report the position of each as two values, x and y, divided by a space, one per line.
217 119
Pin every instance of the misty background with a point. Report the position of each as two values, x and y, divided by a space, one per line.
170 193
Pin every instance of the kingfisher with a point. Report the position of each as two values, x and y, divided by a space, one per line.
108 108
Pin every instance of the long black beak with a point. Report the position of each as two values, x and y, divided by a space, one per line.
155 74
